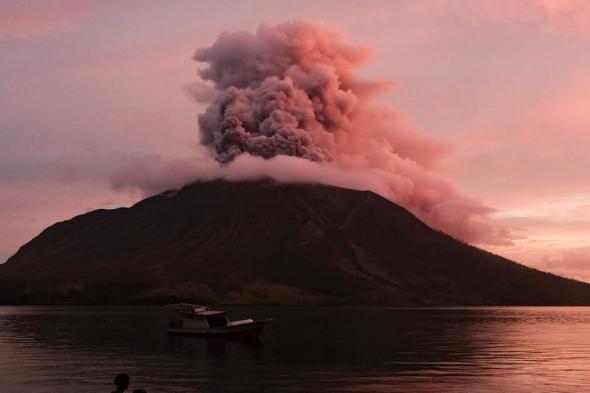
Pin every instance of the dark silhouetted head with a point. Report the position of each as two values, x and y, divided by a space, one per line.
122 381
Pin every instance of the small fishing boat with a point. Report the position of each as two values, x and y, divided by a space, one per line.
193 319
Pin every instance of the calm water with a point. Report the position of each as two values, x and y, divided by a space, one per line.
58 349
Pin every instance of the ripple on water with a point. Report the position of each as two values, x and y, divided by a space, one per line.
305 349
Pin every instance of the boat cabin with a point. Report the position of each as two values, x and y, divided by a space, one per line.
194 316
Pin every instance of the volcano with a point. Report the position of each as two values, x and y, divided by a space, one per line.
267 242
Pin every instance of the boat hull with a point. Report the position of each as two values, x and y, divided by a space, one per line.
249 330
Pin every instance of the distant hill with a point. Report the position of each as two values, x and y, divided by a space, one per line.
264 242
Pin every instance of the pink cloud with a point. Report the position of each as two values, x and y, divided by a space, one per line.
288 105
431 199
568 262
201 92
25 20
151 174
573 262
570 18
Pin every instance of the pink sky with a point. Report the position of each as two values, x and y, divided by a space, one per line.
92 89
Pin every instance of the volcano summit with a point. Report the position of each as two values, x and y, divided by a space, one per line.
267 242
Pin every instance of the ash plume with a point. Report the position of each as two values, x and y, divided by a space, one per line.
284 102
290 89
287 90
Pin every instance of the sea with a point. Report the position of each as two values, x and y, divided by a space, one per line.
305 349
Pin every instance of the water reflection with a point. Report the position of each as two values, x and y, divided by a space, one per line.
304 349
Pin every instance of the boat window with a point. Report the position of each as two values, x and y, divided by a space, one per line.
217 320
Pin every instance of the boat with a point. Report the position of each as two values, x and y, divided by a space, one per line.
197 320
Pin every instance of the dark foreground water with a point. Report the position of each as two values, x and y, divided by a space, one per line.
62 349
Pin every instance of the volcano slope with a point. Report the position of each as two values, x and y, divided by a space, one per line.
266 242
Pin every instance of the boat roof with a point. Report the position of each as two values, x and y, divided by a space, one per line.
175 305
187 307
211 312
195 309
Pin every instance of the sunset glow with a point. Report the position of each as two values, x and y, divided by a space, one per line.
482 112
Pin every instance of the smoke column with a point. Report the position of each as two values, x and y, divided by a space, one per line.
285 103
290 90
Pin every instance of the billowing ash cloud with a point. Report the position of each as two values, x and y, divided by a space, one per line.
290 89
287 90
285 103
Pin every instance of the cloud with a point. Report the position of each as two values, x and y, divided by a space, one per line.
20 20
151 174
201 92
573 262
291 90
460 216
285 103
570 18
551 234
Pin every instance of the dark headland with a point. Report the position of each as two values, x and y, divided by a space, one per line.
263 242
